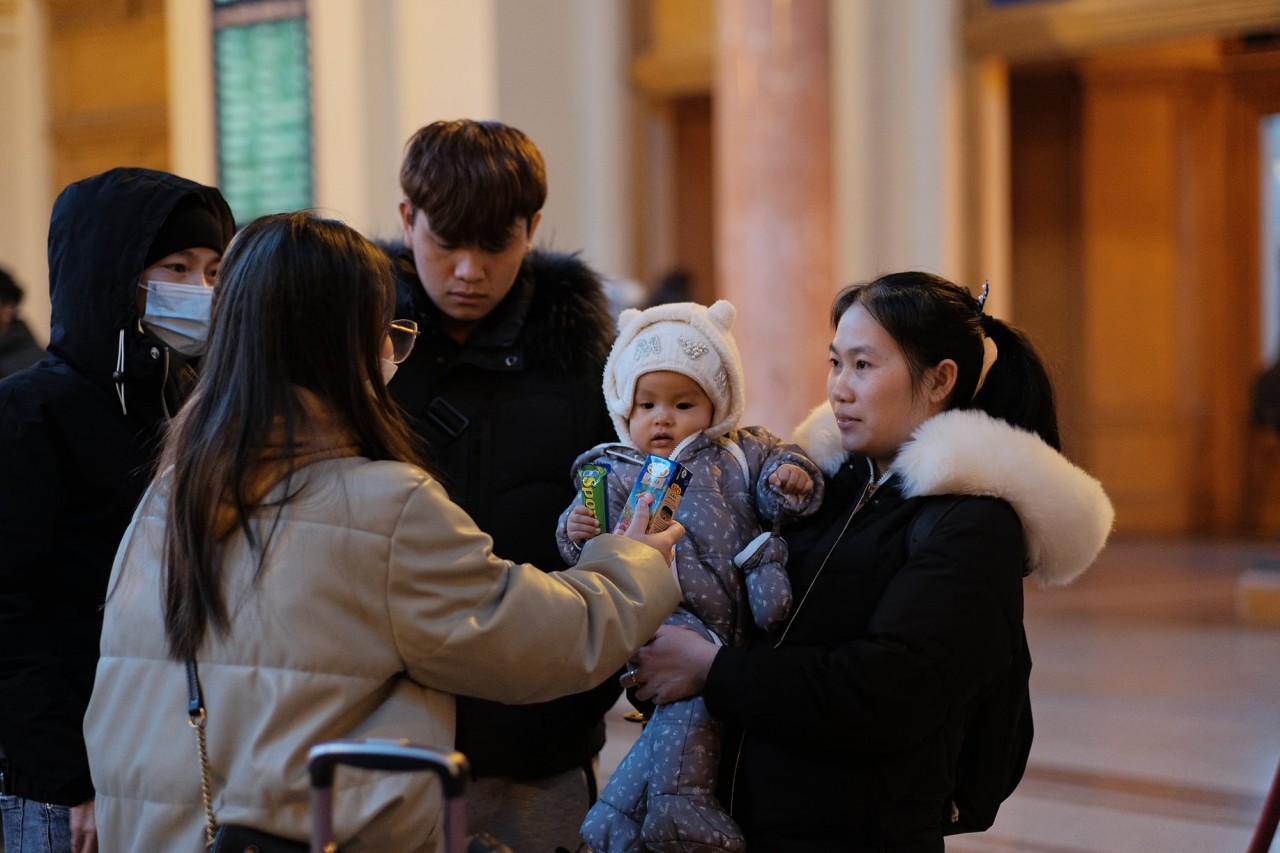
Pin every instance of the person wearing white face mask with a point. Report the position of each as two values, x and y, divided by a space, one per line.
175 291
79 434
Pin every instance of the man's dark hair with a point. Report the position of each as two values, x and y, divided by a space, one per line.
473 180
10 293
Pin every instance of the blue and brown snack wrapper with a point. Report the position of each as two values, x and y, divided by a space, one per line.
592 486
666 481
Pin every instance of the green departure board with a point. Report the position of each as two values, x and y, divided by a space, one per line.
263 85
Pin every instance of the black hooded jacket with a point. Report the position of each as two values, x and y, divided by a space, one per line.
79 435
503 417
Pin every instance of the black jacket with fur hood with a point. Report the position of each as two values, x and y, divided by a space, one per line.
851 722
503 417
79 434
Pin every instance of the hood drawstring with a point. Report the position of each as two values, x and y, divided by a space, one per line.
164 383
118 375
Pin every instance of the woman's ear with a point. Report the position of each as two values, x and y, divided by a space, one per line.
940 379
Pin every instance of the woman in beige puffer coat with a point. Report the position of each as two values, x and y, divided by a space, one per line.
325 586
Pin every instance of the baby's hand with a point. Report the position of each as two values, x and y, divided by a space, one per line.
791 480
581 525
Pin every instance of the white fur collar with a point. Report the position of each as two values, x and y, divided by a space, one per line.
1065 513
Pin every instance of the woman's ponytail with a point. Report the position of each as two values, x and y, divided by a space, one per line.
1017 387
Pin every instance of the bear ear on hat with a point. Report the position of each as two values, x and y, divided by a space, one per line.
723 313
628 318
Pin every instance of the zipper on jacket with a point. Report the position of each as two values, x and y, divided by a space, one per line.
688 439
733 777
867 493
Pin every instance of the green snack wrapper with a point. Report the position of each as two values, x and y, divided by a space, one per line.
591 484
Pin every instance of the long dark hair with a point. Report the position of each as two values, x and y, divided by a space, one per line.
932 319
301 302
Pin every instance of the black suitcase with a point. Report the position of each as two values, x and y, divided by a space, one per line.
392 756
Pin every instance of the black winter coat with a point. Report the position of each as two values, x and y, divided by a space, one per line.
849 724
79 434
503 417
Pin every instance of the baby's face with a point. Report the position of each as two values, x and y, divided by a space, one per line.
668 408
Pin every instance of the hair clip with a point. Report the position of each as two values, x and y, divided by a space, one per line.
982 300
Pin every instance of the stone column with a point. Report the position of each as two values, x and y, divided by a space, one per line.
774 198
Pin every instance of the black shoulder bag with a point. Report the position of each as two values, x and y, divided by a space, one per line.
227 837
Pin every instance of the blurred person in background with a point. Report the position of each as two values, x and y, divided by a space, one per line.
18 349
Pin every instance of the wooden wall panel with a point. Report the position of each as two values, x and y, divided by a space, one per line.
106 65
678 56
1131 258
1130 268
1138 462
1076 28
108 86
1255 87
1167 326
1164 331
1044 183
673 69
695 221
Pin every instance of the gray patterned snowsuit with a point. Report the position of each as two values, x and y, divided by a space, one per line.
662 796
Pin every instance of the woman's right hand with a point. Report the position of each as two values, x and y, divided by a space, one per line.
672 666
665 542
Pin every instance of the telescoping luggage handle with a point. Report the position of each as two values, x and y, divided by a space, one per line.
392 756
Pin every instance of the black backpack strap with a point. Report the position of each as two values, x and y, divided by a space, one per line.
935 507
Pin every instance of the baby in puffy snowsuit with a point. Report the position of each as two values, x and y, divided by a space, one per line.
673 383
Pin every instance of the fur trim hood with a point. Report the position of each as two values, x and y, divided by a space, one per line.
1064 511
557 316
569 313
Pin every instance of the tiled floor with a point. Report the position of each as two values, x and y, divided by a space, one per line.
1157 712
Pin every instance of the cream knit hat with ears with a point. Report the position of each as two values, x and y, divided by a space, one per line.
682 337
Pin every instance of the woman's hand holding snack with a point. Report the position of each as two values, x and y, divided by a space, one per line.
665 542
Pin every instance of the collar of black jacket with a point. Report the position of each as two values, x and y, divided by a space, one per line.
495 344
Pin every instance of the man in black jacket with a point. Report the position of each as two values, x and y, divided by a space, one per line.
504 388
79 434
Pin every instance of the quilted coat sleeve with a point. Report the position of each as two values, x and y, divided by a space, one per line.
468 622
765 453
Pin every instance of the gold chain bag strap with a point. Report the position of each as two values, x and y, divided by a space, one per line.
228 837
